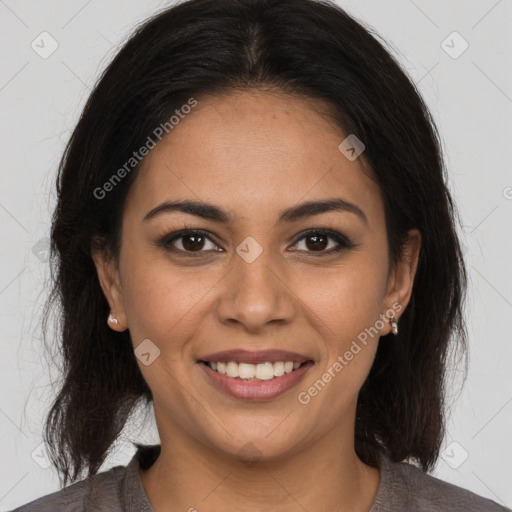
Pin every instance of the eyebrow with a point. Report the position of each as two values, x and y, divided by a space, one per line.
211 212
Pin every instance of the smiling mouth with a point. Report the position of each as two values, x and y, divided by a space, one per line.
254 372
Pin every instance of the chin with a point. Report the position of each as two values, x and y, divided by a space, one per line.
257 447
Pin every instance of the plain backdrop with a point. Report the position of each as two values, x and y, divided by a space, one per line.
459 54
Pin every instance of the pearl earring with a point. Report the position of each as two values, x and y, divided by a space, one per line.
112 319
394 325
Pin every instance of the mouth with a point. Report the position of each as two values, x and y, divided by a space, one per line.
259 375
254 372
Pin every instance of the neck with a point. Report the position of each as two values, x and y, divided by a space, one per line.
325 475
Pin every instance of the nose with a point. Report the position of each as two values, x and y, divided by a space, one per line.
256 294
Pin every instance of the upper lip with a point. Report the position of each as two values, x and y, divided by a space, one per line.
260 356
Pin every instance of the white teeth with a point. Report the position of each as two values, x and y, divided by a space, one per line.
264 371
246 371
261 371
232 369
279 369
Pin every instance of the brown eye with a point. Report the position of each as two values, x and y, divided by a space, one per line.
189 242
317 241
193 242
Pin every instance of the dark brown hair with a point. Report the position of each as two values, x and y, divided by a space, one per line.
305 47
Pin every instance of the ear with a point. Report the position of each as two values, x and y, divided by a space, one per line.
108 276
401 280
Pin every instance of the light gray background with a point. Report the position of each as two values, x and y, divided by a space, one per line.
471 100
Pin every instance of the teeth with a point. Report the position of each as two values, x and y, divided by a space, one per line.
246 371
232 369
265 371
261 371
279 369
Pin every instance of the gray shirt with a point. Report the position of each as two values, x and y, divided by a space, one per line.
403 488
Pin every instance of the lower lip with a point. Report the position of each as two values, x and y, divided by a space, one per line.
256 390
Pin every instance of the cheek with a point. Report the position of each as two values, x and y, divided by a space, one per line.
345 312
348 300
160 302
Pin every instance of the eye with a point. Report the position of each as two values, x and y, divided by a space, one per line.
191 241
317 240
194 242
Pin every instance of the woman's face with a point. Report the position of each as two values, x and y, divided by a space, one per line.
253 282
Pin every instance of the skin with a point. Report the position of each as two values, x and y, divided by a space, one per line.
254 154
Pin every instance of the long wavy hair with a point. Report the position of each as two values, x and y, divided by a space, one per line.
309 48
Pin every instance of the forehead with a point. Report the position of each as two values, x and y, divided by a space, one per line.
254 153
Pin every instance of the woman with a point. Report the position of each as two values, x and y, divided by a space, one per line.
254 234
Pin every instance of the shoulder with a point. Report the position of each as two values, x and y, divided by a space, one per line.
117 490
100 491
406 487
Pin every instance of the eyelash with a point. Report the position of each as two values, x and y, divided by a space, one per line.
342 241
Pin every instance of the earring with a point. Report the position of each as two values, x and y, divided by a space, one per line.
394 325
112 319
